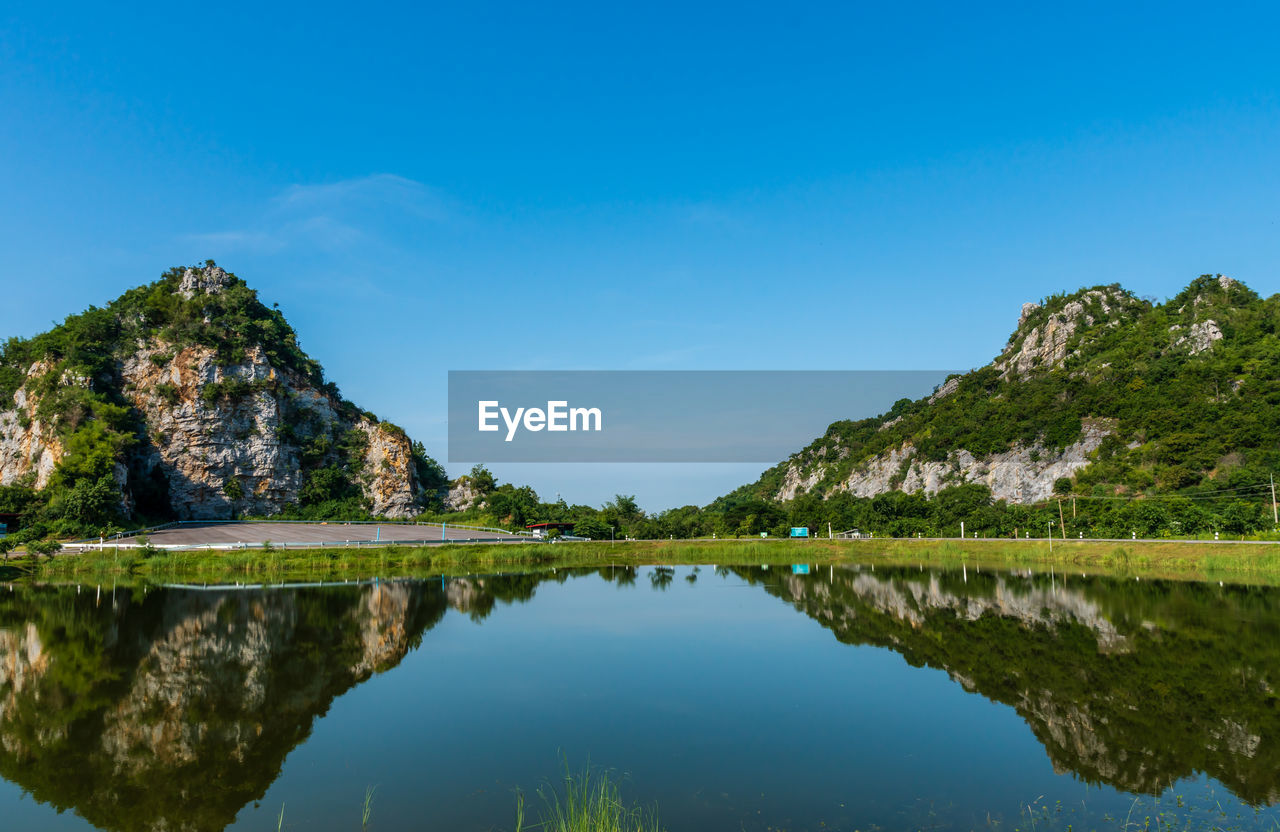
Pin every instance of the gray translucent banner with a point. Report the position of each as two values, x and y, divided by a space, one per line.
661 416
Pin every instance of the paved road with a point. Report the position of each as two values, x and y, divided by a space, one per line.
288 534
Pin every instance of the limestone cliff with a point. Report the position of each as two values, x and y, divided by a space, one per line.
215 411
29 447
1022 474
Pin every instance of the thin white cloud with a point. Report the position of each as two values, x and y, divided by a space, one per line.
710 214
334 216
242 240
381 190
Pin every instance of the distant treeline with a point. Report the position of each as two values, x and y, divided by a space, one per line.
1246 511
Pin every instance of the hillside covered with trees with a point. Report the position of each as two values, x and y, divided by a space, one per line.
189 398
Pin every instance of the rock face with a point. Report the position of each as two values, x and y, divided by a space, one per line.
222 438
389 481
210 280
1047 344
29 448
1199 337
797 483
203 446
462 495
1023 474
1020 475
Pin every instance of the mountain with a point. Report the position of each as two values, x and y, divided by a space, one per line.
189 398
1097 393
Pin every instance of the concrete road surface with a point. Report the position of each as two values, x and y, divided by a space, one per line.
290 534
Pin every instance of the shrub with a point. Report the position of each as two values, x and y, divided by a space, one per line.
44 547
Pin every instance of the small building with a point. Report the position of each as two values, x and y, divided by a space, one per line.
543 529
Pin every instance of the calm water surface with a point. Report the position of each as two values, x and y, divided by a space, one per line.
733 698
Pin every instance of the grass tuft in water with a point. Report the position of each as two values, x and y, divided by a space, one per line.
588 802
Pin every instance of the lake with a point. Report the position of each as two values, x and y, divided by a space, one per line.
746 698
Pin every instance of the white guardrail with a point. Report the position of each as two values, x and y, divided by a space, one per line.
120 536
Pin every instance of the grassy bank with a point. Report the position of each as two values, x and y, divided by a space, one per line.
1255 562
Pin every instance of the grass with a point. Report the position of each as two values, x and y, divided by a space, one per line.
1189 560
588 802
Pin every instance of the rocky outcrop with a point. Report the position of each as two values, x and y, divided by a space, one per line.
389 481
223 437
462 495
794 482
1046 345
1023 474
205 443
950 386
226 453
29 448
1199 337
210 280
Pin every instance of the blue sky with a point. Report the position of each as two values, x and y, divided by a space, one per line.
653 186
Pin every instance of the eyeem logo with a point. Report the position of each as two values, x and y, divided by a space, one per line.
662 416
557 417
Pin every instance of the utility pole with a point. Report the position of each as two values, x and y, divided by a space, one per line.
1275 516
1062 520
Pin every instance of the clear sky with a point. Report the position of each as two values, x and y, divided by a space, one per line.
429 187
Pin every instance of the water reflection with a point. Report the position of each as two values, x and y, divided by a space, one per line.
1131 683
175 708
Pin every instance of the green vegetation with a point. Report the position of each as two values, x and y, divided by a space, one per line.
589 802
1240 562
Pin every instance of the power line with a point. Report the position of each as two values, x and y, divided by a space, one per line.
1235 493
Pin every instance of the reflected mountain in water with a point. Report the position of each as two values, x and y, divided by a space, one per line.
1135 684
175 708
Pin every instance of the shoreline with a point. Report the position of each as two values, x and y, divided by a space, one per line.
1249 562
